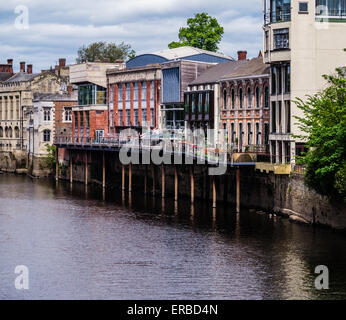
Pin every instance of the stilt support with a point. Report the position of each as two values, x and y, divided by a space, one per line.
238 189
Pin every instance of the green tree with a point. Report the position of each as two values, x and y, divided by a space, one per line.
202 31
324 127
51 157
103 50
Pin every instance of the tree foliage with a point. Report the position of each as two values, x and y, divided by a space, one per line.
324 127
102 51
202 31
51 156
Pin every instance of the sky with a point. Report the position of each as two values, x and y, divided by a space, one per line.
57 28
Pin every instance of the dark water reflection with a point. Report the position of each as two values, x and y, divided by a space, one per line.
81 243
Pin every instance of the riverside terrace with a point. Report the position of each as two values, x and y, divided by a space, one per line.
156 151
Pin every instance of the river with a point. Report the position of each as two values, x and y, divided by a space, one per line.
80 243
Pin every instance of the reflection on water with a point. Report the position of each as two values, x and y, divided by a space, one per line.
81 242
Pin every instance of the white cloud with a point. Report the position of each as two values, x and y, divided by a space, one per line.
59 27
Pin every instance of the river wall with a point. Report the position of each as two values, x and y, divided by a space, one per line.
282 194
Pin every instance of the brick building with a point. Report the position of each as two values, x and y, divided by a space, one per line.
244 109
90 116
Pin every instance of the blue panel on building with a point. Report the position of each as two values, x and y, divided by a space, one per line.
171 85
145 59
204 57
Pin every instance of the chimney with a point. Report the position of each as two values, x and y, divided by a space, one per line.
62 62
10 67
242 55
22 66
29 69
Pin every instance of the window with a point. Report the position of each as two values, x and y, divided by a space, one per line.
120 96
46 114
288 116
207 102
136 117
46 135
280 116
128 96
249 134
266 97
135 96
279 80
273 117
274 76
257 98
200 102
280 10
128 117
303 7
67 114
267 48
249 98
225 99
232 132
240 135
233 98
1 132
193 103
331 8
152 113
281 38
144 115
257 134
287 79
241 98
121 118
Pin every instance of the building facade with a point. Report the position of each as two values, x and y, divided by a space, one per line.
90 120
16 99
302 41
134 98
244 107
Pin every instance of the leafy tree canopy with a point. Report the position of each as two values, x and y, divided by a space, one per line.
324 127
202 31
103 51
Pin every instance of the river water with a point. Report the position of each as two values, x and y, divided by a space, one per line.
80 243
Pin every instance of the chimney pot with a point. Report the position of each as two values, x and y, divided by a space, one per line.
62 62
29 69
242 55
22 66
10 61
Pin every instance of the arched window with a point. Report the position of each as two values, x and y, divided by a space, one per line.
249 98
241 98
233 98
16 132
6 132
257 98
225 99
1 132
46 135
10 132
266 97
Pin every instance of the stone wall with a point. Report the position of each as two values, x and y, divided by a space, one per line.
282 194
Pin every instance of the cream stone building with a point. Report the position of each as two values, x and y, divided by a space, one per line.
16 99
303 40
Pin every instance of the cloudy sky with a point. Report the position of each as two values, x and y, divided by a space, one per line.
57 28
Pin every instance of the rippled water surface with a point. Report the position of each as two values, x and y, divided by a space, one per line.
79 243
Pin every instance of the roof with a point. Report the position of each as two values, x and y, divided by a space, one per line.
21 76
254 67
5 75
181 52
215 73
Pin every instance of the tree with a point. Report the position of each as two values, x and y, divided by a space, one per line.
203 32
324 125
102 50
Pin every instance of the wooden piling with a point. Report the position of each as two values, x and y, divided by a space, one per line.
103 170
122 177
238 189
176 184
163 182
86 167
71 167
130 177
214 193
57 164
192 184
153 175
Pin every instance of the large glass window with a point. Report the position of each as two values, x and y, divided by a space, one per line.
331 8
90 94
207 102
200 102
281 38
287 79
280 10
193 103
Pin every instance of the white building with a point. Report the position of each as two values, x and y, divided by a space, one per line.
303 40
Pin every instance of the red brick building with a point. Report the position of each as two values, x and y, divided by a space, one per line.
244 109
134 98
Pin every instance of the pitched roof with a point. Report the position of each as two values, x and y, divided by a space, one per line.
254 67
215 73
60 96
181 52
4 76
20 76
